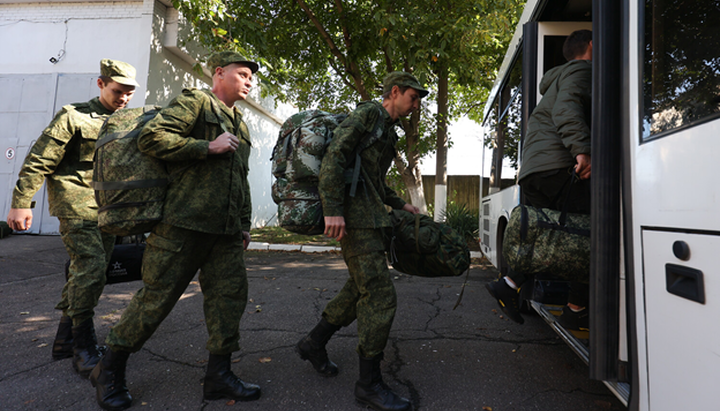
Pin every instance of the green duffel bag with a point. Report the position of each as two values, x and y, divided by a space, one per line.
541 240
422 247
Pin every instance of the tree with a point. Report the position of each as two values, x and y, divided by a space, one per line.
327 54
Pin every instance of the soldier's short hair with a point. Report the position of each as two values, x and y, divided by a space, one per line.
403 89
576 44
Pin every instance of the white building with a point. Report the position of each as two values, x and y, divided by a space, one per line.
50 56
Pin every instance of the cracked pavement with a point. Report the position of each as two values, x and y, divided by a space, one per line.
441 359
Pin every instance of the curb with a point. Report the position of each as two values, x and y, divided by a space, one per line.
313 248
291 247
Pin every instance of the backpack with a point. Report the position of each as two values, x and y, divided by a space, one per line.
422 247
296 161
129 185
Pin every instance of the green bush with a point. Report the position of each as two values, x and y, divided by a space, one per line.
464 221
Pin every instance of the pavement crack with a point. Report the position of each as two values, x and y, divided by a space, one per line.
42 365
394 369
168 359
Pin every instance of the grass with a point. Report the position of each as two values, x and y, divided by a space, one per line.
278 235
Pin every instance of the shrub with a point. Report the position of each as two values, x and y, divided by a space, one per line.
461 219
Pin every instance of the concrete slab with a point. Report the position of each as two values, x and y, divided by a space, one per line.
318 249
284 247
441 359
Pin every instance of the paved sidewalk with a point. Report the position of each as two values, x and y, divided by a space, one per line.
466 359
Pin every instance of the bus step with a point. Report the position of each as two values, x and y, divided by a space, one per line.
578 342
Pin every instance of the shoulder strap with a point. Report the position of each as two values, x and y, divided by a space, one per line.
368 140
216 110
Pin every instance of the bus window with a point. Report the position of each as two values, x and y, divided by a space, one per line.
504 121
681 79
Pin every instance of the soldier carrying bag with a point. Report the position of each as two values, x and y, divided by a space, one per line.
422 247
296 161
542 240
130 185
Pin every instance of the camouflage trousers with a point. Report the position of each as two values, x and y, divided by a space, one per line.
89 250
369 294
172 257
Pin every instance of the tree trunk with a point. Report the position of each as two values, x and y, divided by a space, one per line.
413 182
441 146
410 171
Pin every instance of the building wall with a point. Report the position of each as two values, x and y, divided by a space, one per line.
78 35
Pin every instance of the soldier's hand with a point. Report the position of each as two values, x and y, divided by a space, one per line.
246 239
20 219
225 142
583 167
411 208
335 227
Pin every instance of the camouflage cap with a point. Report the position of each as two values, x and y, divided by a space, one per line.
119 72
402 79
223 58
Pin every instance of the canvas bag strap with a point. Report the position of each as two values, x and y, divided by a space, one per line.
365 143
417 232
216 111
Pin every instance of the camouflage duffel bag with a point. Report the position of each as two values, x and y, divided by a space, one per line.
541 240
422 247
129 185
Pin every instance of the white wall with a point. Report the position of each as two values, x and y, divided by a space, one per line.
84 32
79 35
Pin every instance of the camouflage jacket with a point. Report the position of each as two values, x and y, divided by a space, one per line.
366 209
210 194
63 155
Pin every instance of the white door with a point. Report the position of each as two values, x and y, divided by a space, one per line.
675 203
29 103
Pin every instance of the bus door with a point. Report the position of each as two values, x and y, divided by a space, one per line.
676 203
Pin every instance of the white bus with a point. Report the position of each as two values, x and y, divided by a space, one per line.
654 283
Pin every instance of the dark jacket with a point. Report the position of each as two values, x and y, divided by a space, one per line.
367 208
559 127
210 194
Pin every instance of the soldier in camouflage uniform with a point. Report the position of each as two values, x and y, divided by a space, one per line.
206 222
361 225
63 157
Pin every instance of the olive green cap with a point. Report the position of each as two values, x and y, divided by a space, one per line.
119 72
223 58
402 79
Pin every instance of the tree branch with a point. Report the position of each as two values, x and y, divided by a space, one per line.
341 74
323 33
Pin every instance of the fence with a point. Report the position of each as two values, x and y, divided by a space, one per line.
460 189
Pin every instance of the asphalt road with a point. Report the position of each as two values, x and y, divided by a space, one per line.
441 359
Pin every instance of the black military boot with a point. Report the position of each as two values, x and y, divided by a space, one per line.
63 346
220 382
371 390
86 353
312 348
108 378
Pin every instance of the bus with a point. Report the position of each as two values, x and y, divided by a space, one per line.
654 282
